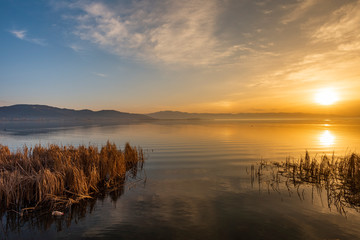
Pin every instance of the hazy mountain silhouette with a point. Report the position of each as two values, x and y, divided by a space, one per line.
43 112
26 112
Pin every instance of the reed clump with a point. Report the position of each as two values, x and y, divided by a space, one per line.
59 176
339 176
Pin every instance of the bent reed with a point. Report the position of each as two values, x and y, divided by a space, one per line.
56 177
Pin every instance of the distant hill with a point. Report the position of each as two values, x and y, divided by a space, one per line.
184 115
42 112
26 112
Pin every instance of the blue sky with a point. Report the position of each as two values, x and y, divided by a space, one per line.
196 56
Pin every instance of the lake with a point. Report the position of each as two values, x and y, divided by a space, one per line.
196 182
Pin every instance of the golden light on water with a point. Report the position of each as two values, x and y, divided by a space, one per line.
326 96
326 138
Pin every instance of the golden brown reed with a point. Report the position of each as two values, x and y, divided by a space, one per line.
57 176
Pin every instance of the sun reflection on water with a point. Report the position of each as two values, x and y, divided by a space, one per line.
326 138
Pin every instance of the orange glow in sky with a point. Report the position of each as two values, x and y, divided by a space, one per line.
204 56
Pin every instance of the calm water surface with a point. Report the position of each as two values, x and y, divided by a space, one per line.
198 184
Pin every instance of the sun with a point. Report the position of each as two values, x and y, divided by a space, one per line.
326 96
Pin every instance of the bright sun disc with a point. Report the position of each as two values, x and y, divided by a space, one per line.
326 96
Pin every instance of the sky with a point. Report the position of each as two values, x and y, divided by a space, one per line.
215 56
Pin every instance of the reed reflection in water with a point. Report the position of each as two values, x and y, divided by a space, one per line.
338 177
12 221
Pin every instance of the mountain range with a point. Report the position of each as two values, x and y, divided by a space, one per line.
27 112
43 112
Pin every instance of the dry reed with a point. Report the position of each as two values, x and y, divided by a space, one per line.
56 177
339 176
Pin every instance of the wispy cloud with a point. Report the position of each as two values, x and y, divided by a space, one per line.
177 32
343 25
22 34
76 47
19 33
102 75
332 51
331 67
298 10
341 33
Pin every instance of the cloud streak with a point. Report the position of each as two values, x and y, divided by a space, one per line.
76 47
342 27
19 33
177 32
331 53
102 75
341 32
22 34
299 10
